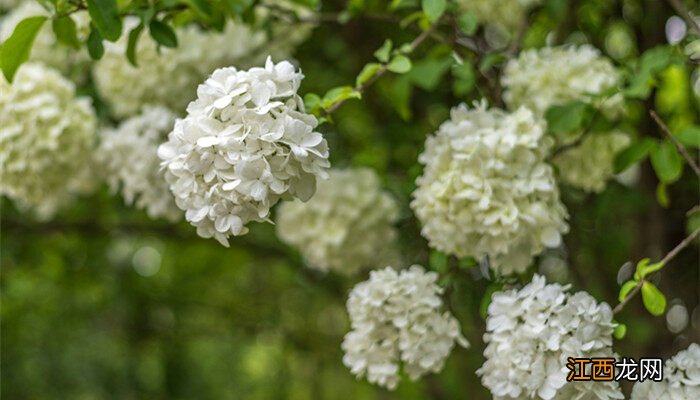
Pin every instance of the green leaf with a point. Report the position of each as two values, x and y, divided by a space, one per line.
644 268
200 7
163 33
467 262
383 52
626 289
568 118
66 31
94 44
339 94
433 9
464 78
400 64
438 261
16 49
428 72
666 161
312 102
656 59
105 16
467 23
398 93
367 72
619 331
662 195
654 300
633 154
486 300
689 136
131 44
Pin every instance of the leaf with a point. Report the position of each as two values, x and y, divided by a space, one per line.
644 268
468 23
339 94
200 7
654 300
428 72
464 78
163 33
689 136
94 44
433 9
16 49
666 161
400 64
633 154
131 44
438 261
626 289
312 102
66 31
662 195
105 16
398 93
568 118
367 72
619 331
383 52
656 59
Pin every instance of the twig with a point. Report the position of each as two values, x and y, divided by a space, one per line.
568 146
683 12
671 254
385 66
675 141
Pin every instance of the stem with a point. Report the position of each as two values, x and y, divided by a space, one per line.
671 254
568 146
682 10
675 141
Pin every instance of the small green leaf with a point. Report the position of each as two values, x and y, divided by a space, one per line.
94 44
654 300
163 33
467 262
200 7
644 268
383 52
400 64
619 331
468 23
339 94
367 72
486 300
689 136
666 161
433 9
633 154
438 261
105 16
568 118
662 195
66 31
16 49
312 102
626 289
427 73
464 78
131 44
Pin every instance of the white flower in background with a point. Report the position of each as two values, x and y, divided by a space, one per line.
486 190
46 139
129 156
590 164
396 321
170 76
506 15
681 378
346 226
245 144
531 332
8 5
46 49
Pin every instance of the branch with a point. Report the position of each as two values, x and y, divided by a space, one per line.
671 254
568 146
675 141
385 66
685 14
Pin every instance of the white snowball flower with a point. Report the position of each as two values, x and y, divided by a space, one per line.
129 156
681 379
506 15
531 332
245 143
46 139
46 49
396 321
486 190
170 76
346 226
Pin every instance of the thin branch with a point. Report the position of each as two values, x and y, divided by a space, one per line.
671 254
675 141
682 10
568 146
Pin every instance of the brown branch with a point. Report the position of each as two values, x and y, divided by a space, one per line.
685 14
568 146
675 141
671 254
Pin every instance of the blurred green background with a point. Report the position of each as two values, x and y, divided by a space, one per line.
102 302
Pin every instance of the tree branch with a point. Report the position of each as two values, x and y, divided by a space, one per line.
675 141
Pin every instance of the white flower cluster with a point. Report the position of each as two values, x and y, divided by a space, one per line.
346 226
169 76
396 319
46 139
530 334
245 143
506 15
681 379
45 48
129 156
486 190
